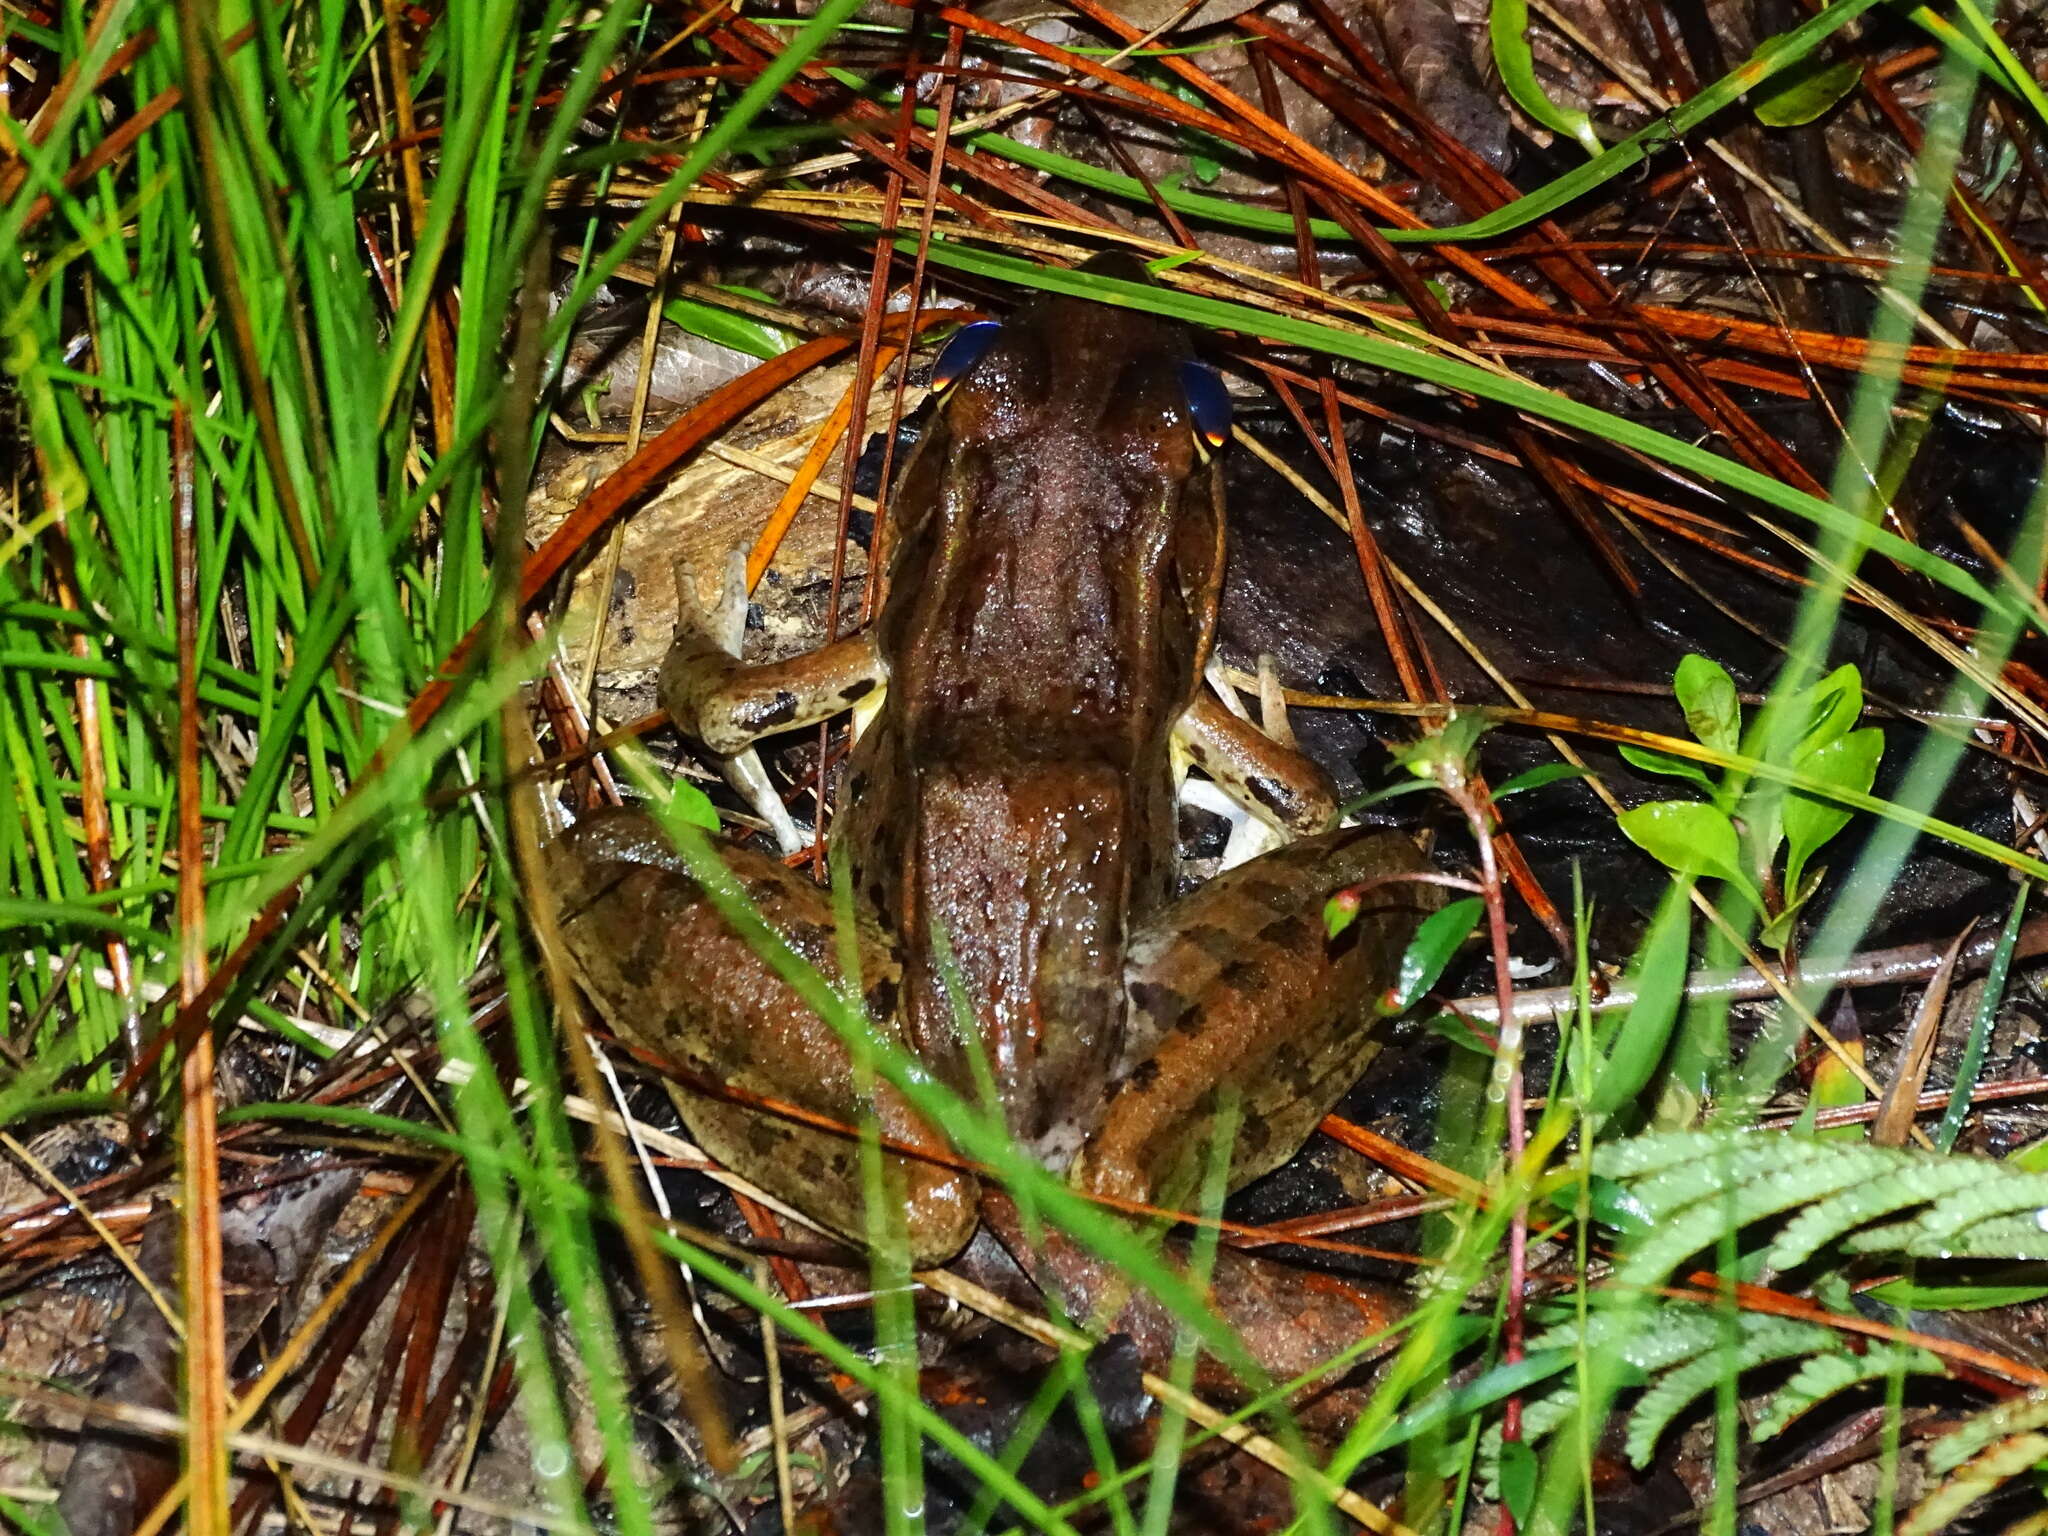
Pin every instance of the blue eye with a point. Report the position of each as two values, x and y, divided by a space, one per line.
1208 402
963 351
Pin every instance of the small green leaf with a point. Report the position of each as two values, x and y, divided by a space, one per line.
1806 91
1435 941
1707 694
692 806
729 328
1172 261
1462 731
1652 761
1508 26
1539 776
1974 1296
1833 705
1340 912
1518 1479
1447 748
1849 763
1777 932
1687 837
1613 1204
1461 1034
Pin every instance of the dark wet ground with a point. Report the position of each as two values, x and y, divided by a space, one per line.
1523 584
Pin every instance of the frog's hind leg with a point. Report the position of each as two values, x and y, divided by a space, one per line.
669 974
1238 988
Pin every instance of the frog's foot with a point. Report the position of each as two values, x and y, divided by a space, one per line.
1251 836
749 775
1273 704
724 622
1277 792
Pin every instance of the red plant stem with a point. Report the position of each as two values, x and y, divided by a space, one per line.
205 1357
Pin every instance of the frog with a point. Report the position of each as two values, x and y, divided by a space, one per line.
1031 685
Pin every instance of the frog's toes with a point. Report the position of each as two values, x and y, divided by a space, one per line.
722 621
747 774
1249 836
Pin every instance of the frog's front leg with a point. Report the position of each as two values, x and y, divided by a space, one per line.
727 706
715 698
1274 782
669 974
1238 988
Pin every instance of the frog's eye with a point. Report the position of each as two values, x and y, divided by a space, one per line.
1208 402
963 351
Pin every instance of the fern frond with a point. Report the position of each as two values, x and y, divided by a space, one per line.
1689 1190
2010 1191
1647 1340
1695 1187
1738 1192
2013 1417
1650 1339
1635 1158
1983 1475
1820 1224
2007 1237
1684 1167
1686 1349
1823 1376
1758 1339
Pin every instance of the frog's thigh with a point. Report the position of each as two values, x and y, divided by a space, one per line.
1237 985
729 707
667 973
1275 783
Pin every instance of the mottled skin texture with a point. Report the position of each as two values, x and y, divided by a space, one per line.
1057 554
668 973
1237 990
1050 594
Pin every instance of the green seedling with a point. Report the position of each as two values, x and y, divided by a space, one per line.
1760 839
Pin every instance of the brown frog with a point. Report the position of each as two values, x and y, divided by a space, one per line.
1051 600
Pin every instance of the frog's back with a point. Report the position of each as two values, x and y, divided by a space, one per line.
1048 534
1037 873
1041 638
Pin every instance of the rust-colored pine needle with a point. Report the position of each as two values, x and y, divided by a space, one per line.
206 1362
770 540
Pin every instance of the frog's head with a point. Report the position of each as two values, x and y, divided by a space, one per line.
1066 366
1069 478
